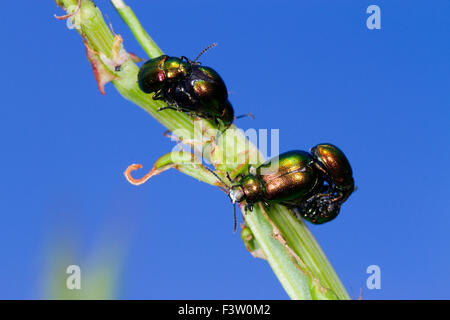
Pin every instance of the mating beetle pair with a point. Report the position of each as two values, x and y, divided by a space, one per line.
187 86
315 183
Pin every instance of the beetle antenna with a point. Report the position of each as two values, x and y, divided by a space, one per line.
235 220
229 190
204 50
219 178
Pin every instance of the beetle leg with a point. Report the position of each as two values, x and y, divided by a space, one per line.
167 107
320 208
158 95
235 179
229 178
250 115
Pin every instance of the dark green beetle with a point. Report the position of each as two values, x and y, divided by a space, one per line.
187 86
315 183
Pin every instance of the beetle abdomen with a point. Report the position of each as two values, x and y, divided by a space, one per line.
209 90
335 163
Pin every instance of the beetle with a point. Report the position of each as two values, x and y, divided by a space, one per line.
315 183
187 86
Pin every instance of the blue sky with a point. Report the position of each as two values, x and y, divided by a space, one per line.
311 69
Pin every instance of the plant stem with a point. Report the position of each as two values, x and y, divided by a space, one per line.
291 250
141 35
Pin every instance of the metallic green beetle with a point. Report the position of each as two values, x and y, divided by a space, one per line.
187 86
315 183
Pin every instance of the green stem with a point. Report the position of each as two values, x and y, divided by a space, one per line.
141 35
291 250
